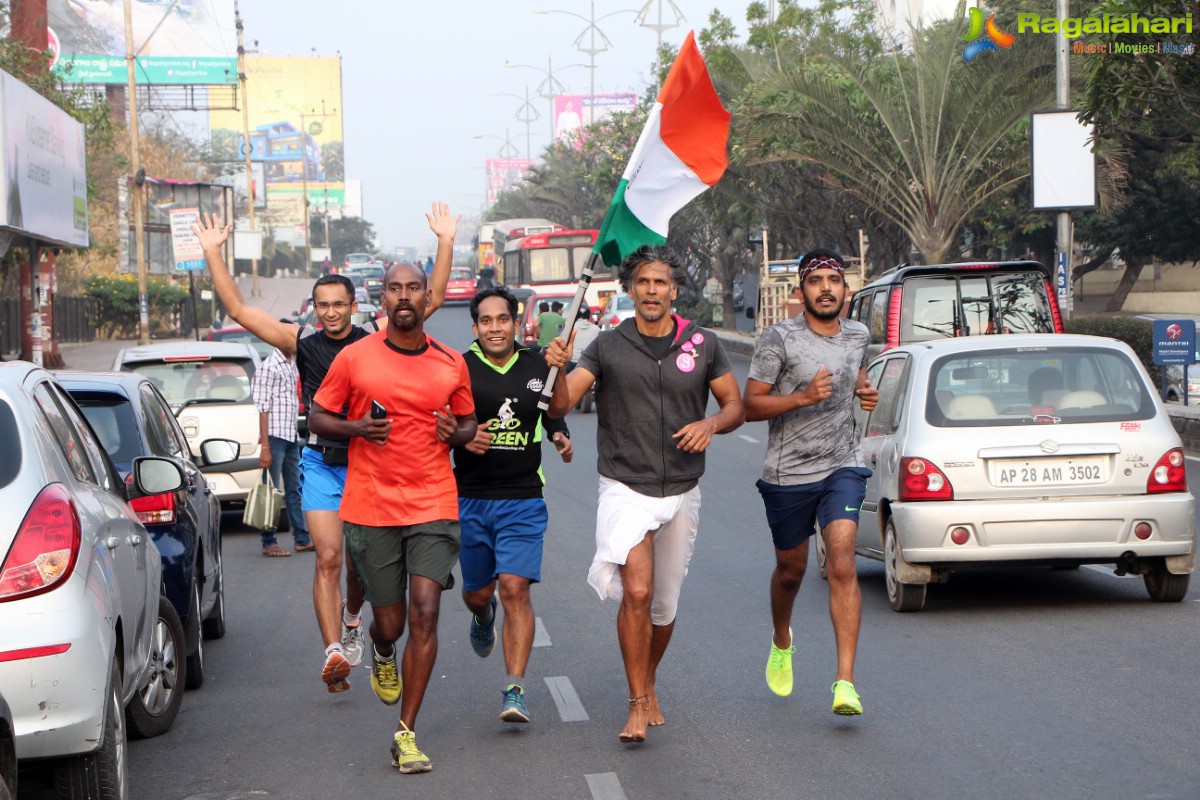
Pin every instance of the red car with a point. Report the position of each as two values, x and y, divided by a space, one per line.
461 286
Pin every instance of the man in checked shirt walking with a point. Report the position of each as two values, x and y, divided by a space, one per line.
274 390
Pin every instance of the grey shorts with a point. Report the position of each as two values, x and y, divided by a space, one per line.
385 557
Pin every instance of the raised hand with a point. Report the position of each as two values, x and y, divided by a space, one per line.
211 235
443 225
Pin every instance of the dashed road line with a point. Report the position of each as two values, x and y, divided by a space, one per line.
570 709
605 786
540 637
749 439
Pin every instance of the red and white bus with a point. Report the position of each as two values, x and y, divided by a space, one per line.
551 263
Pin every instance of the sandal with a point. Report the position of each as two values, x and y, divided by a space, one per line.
275 551
641 705
305 548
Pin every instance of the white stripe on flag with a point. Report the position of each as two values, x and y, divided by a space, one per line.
659 182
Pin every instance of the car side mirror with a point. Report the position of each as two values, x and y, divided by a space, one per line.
152 475
219 451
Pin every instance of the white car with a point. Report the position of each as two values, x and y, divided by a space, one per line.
208 387
618 309
1034 449
89 649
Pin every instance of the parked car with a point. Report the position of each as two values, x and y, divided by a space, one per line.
132 419
208 387
461 286
1025 450
88 646
8 753
530 312
357 259
372 275
618 308
236 333
941 301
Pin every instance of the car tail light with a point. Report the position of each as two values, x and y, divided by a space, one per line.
921 480
46 546
893 320
1055 313
1168 474
615 321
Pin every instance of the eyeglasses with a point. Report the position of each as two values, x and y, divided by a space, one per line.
340 305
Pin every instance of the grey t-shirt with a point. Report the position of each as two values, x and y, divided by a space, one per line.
808 444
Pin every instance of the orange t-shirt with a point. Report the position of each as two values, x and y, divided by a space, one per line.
408 480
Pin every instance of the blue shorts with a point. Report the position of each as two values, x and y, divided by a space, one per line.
321 484
500 536
793 511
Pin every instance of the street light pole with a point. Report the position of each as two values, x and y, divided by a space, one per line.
660 26
549 88
590 32
526 114
135 165
241 63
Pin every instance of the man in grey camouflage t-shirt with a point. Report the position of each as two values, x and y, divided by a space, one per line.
804 377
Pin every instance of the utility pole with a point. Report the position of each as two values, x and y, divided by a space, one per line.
1062 101
250 188
139 178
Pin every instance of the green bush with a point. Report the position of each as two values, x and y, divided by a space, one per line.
1137 333
116 298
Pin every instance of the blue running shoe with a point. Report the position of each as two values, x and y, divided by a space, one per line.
514 709
483 634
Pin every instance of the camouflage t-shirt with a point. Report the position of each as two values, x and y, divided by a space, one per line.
808 444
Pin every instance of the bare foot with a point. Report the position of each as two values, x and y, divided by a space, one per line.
635 726
656 718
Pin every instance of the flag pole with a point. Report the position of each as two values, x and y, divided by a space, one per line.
585 280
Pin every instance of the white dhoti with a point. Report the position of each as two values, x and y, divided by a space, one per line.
623 518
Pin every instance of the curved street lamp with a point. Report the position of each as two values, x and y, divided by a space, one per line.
507 150
550 87
526 113
590 33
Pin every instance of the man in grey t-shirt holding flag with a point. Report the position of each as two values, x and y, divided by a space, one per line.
804 377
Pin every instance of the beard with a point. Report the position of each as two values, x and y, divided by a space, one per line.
405 323
824 316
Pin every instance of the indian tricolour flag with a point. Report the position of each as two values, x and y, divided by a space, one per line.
681 152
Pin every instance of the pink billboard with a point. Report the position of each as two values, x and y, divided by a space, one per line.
572 111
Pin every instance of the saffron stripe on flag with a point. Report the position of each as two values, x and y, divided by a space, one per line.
695 126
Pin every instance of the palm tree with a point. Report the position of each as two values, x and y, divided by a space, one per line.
921 136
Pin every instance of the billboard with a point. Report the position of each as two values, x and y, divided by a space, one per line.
295 110
572 111
503 174
43 160
174 41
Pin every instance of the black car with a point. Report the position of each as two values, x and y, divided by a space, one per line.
132 419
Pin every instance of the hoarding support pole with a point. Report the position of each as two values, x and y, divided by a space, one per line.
250 187
1062 83
135 164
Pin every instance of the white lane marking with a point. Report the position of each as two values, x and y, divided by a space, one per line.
605 786
570 709
749 439
1107 570
540 637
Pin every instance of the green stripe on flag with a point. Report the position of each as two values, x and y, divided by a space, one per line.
622 232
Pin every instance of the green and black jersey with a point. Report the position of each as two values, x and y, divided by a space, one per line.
506 405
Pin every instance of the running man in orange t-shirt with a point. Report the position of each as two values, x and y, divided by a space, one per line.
400 504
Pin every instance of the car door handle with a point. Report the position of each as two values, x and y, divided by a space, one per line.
874 460
135 539
112 542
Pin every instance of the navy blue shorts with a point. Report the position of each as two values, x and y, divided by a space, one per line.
794 511
500 536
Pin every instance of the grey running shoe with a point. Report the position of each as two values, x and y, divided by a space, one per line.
514 709
483 635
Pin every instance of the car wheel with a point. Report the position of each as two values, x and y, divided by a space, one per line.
822 555
902 596
154 706
214 626
195 661
104 773
1164 586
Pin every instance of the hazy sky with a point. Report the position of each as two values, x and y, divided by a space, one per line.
419 82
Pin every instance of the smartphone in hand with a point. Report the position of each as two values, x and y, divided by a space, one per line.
377 410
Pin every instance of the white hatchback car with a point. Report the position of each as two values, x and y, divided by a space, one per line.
208 387
1039 449
88 647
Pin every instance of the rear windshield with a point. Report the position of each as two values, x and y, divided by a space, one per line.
1033 386
970 304
244 337
10 464
111 417
211 381
624 303
461 275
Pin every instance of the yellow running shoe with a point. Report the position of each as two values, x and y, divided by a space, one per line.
385 680
779 667
845 699
406 756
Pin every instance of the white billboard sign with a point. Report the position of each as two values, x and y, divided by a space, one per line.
43 162
1064 166
187 254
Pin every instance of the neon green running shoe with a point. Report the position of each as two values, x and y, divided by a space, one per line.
779 667
385 679
406 756
845 699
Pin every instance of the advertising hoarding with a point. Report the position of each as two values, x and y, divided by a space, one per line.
295 110
181 42
503 174
185 245
572 111
44 163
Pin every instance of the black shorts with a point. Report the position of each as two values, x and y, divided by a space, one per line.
794 511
